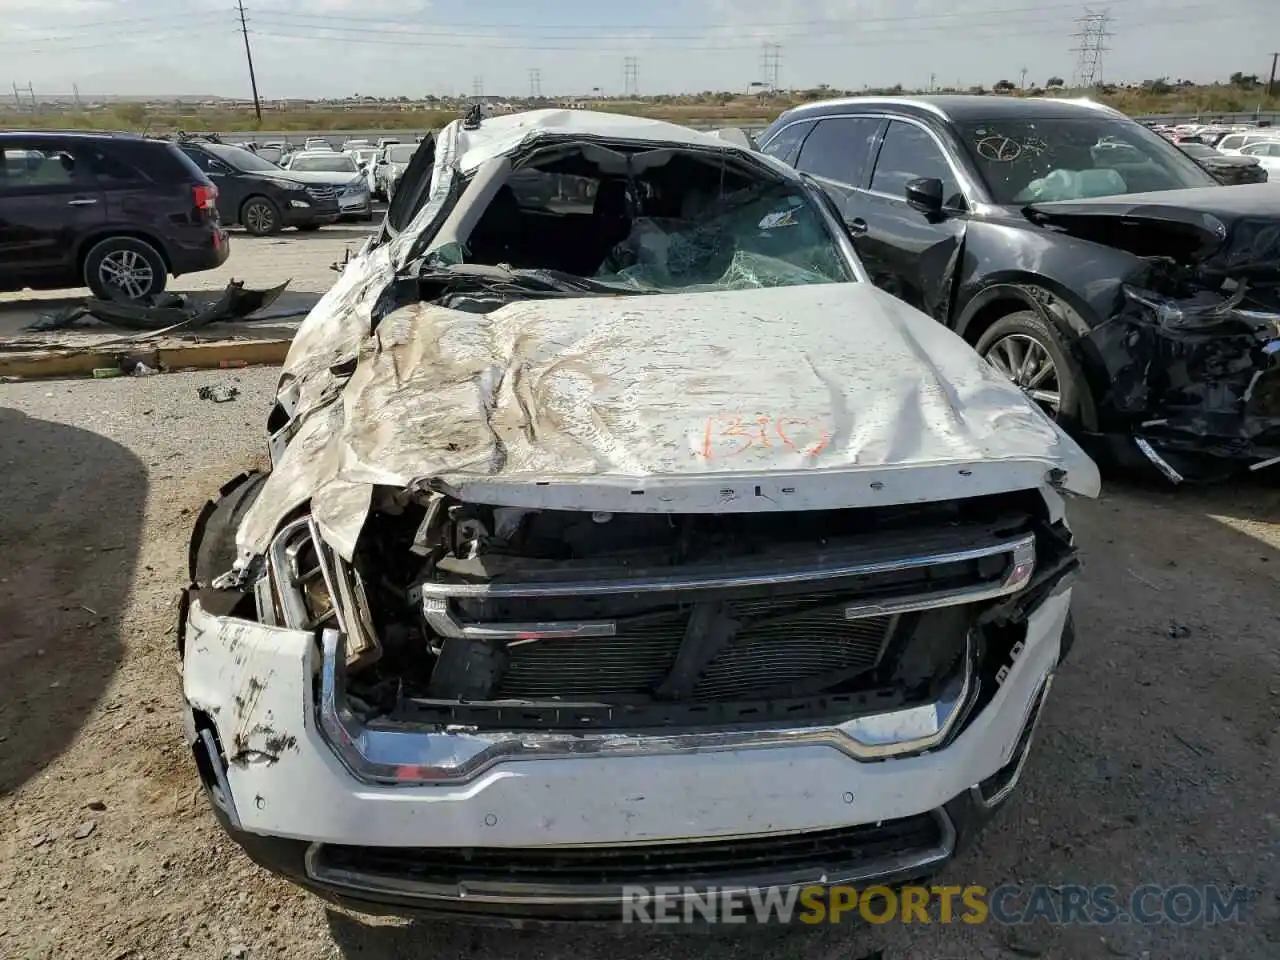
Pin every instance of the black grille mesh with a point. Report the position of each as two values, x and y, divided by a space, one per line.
654 863
781 641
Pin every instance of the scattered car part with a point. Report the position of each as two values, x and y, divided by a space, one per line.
175 313
218 393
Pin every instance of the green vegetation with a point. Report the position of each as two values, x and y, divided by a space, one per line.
1243 93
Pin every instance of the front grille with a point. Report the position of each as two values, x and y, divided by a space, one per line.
634 662
834 852
321 193
772 625
778 643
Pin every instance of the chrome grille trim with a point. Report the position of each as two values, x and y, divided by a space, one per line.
1022 547
441 619
391 754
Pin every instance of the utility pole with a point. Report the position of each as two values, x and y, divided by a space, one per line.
1271 84
770 56
248 55
17 100
631 77
1092 36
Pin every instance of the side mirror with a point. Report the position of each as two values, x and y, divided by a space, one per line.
925 195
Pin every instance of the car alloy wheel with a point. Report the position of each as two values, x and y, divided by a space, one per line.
127 271
1026 362
259 218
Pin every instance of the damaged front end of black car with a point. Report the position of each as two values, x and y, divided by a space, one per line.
1190 349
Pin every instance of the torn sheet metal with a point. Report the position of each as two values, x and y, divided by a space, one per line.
1199 374
589 403
1222 232
500 136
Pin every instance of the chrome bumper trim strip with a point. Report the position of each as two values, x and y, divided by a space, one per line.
403 755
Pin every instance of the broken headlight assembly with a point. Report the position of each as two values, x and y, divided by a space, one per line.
307 586
1202 310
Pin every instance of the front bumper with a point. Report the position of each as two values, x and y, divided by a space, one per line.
251 698
301 211
356 206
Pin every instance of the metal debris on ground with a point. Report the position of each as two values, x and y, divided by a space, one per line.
218 393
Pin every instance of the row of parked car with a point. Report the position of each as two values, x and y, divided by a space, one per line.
382 161
1232 154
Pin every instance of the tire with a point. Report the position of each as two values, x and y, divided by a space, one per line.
124 269
1006 341
308 227
212 551
261 217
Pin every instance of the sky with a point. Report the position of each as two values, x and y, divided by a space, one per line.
454 47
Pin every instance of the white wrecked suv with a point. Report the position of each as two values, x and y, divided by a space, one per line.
619 534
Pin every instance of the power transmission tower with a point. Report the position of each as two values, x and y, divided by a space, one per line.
1023 85
535 84
248 55
631 77
477 86
1093 43
770 58
75 93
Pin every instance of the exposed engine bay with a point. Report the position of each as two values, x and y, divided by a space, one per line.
506 617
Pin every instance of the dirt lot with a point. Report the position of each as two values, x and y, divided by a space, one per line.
1156 762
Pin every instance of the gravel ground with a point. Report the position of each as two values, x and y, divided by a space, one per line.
1156 760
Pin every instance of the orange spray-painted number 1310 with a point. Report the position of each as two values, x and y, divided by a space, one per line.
731 436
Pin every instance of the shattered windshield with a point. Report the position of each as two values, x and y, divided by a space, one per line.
675 228
770 238
1028 161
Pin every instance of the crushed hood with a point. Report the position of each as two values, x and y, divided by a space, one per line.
792 398
1223 230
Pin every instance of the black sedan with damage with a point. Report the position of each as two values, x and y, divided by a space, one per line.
1098 266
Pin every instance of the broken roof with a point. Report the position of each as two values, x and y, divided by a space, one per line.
497 136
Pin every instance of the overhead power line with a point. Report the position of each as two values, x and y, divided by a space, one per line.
432 39
506 27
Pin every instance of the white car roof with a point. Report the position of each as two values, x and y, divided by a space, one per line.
327 154
497 136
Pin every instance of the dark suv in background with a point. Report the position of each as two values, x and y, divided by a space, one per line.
1088 259
114 212
257 194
